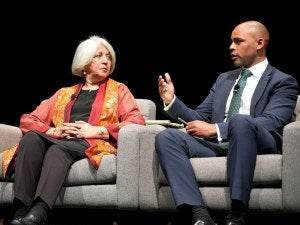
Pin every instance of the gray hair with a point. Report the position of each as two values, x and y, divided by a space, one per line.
85 52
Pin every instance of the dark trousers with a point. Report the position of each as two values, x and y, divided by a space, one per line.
41 168
246 139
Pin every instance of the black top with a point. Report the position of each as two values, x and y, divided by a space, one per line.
83 105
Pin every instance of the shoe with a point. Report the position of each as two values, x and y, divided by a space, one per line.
235 218
31 219
200 222
17 221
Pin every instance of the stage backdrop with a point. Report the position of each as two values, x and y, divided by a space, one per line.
194 48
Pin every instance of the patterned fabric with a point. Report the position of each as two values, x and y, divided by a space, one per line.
8 158
114 107
235 103
237 95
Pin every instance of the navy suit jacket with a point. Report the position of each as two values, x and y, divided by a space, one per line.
272 105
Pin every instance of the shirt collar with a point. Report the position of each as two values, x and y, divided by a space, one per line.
258 69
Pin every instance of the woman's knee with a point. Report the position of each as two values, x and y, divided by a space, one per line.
31 137
31 142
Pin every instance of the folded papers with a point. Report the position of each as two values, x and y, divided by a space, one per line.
164 123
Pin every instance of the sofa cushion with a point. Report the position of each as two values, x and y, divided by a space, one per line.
83 173
212 171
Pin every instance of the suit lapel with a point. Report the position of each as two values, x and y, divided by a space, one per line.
259 90
223 94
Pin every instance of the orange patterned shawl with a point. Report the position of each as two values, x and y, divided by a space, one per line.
114 107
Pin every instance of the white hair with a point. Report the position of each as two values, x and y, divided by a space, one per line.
85 52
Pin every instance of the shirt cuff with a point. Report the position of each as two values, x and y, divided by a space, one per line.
218 133
166 108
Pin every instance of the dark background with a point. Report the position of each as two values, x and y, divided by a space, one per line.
188 42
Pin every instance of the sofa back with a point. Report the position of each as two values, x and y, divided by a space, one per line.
147 108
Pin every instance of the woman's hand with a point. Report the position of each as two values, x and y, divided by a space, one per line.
81 129
64 131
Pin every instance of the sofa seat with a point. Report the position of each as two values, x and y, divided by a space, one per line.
267 171
214 186
82 185
83 173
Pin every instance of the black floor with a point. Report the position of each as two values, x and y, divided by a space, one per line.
115 217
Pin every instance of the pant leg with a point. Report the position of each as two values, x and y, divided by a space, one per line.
53 173
28 165
42 166
246 139
174 149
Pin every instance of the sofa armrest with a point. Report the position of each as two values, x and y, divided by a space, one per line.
147 108
9 136
149 167
291 167
128 157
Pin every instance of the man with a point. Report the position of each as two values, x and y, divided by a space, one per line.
267 100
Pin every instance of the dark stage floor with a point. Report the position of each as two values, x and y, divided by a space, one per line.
114 217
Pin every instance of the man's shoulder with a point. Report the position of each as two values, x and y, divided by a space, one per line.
279 74
230 74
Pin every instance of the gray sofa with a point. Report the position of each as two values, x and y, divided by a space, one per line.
276 185
133 180
113 186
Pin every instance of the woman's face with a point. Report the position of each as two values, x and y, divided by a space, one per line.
100 64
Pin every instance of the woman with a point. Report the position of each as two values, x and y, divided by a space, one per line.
76 122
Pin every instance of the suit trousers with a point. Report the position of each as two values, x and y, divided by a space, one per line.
41 168
246 139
